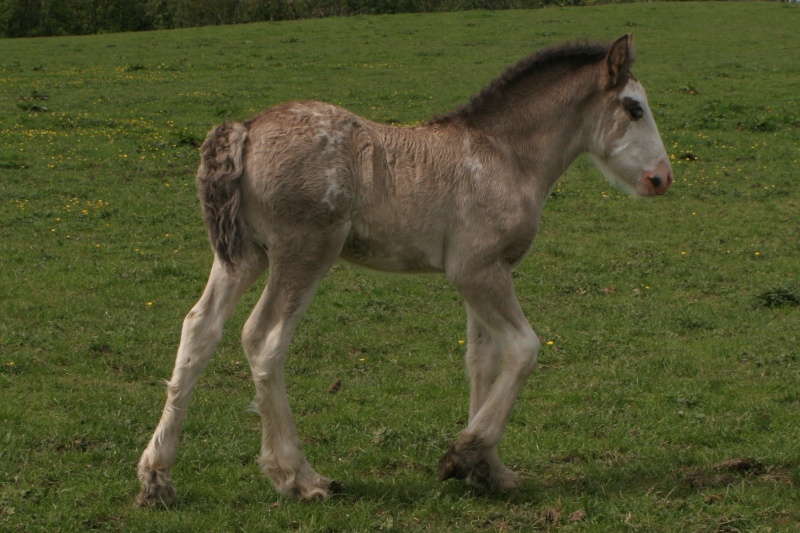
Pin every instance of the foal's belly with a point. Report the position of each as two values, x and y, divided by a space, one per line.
397 253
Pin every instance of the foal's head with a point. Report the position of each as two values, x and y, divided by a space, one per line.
625 144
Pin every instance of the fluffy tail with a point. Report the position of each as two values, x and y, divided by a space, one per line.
218 178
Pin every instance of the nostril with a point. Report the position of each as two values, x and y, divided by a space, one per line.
656 181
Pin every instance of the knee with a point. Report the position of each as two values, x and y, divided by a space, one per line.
482 347
526 352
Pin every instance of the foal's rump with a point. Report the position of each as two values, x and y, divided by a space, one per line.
293 163
301 160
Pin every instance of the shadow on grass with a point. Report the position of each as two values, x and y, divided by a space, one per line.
633 480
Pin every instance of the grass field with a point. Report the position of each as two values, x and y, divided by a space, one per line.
668 393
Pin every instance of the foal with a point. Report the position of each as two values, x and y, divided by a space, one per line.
303 184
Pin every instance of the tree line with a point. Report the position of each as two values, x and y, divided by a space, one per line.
33 18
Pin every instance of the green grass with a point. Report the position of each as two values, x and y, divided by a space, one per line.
667 395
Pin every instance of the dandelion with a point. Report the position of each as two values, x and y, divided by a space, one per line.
550 343
149 304
460 342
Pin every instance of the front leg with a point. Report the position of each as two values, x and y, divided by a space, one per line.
483 364
498 330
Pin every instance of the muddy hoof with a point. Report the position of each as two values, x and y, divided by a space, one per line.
155 495
453 465
336 487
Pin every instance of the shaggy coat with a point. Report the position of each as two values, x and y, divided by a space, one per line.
303 184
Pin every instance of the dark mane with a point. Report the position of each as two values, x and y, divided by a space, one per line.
573 54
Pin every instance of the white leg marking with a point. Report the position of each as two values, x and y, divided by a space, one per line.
202 331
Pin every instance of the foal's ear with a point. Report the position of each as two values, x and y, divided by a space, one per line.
619 59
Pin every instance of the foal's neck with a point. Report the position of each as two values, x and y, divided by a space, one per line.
544 124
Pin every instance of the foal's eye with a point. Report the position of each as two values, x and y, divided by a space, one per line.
636 112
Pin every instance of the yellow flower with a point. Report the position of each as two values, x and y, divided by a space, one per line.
460 342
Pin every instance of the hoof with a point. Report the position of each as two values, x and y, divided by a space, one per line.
310 494
460 459
335 487
495 479
157 488
155 494
302 484
318 490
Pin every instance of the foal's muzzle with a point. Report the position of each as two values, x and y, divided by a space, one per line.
657 181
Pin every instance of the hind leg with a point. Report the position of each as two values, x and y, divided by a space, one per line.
202 331
296 268
483 363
